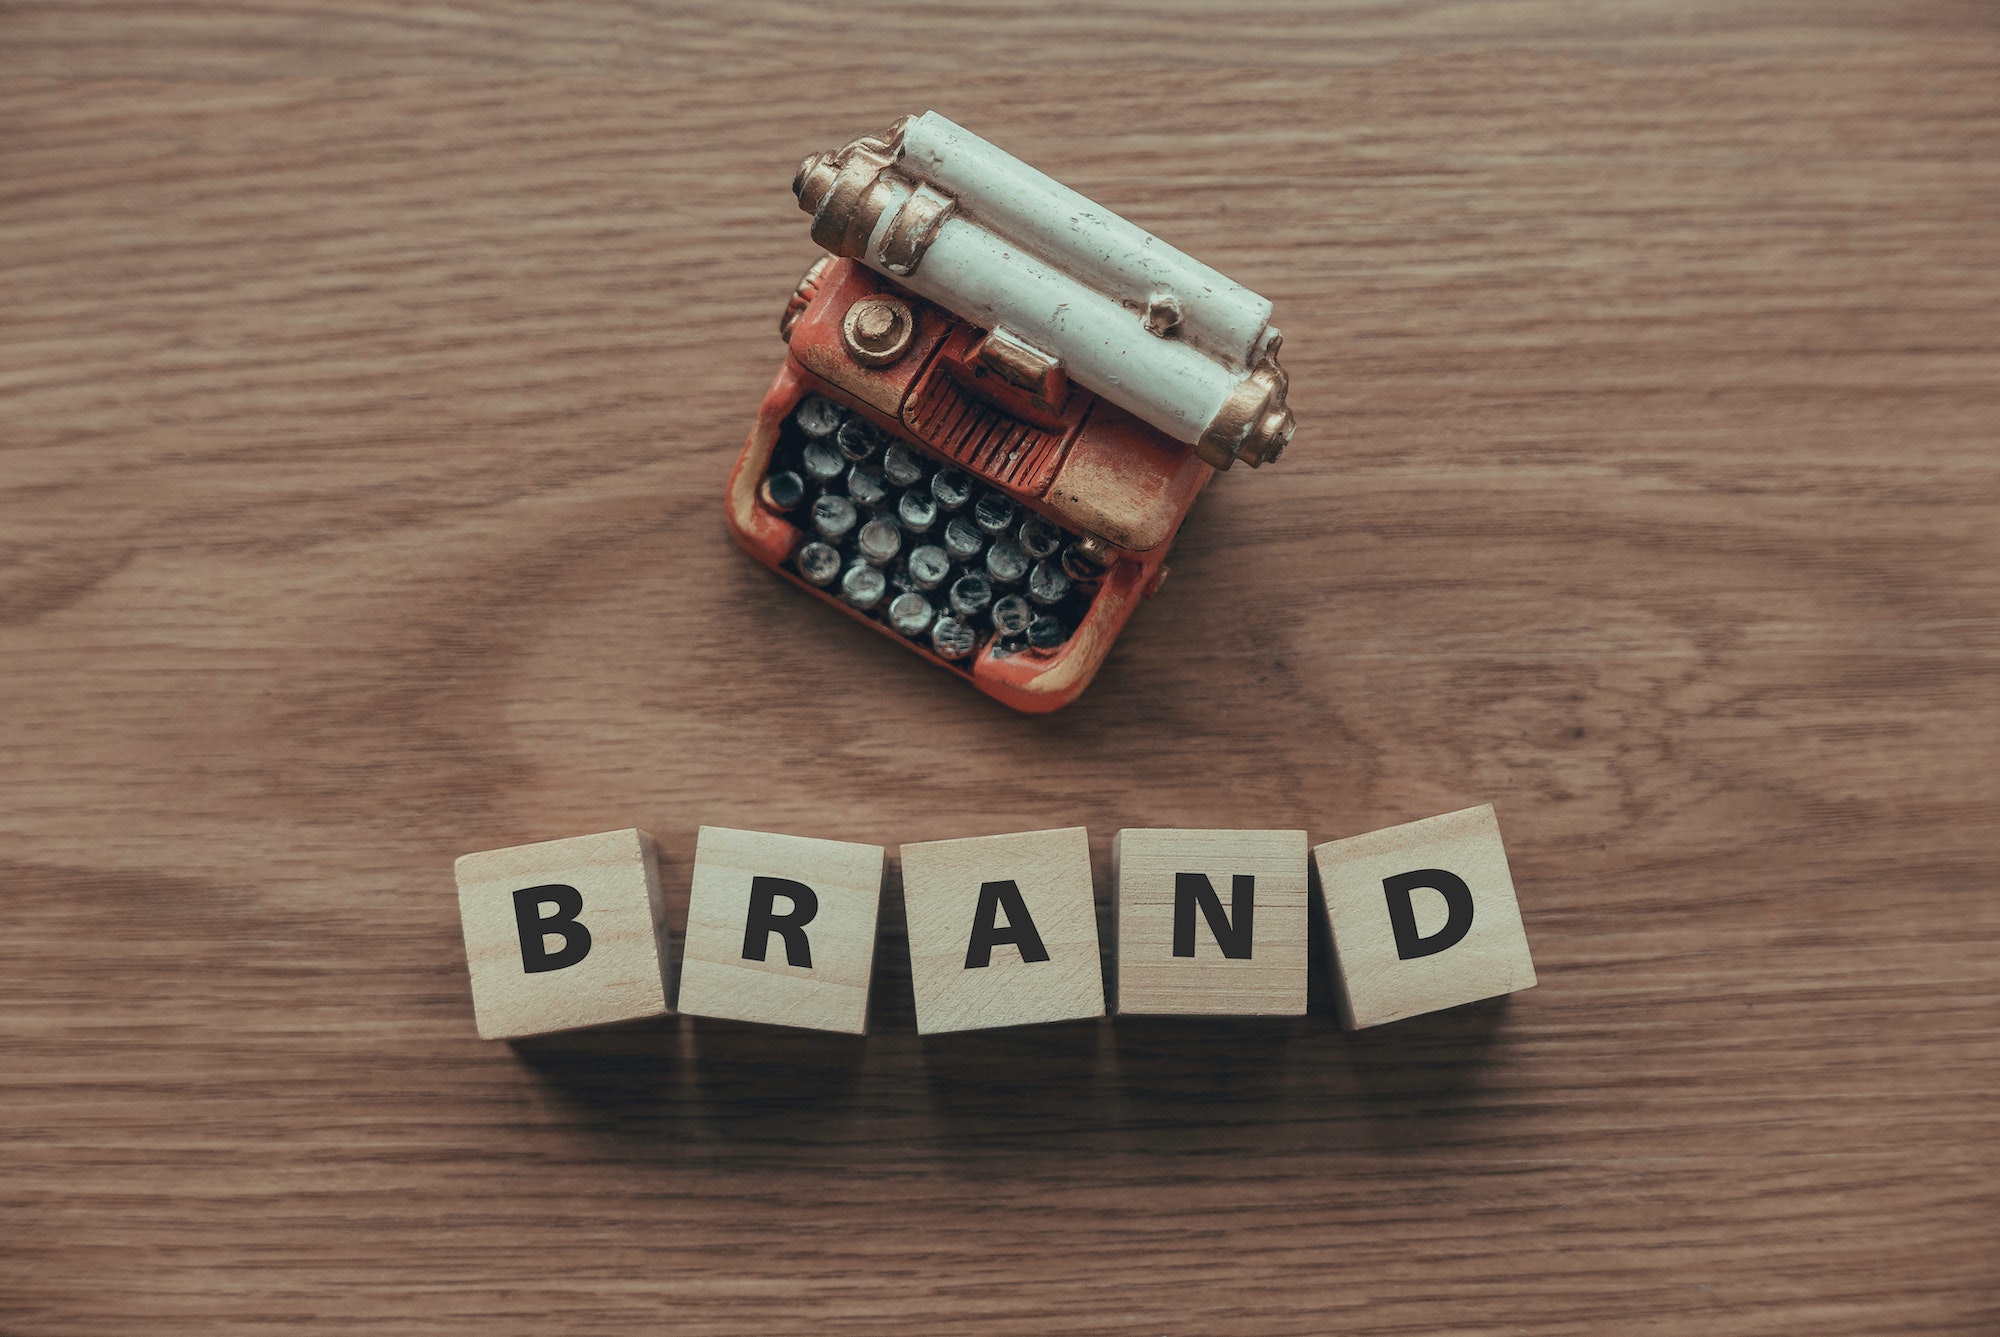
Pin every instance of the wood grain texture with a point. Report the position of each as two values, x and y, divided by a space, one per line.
369 374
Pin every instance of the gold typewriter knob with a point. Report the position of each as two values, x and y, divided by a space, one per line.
877 330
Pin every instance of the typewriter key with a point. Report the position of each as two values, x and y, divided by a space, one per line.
1046 632
863 586
1012 615
951 488
910 614
962 539
833 517
782 491
901 465
929 566
866 487
1005 562
818 416
993 513
858 439
823 462
917 511
879 541
1047 585
819 563
952 639
970 595
1040 538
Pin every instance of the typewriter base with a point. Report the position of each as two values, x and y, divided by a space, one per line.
1026 680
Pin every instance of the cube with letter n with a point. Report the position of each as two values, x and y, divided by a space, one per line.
564 933
1423 917
1211 922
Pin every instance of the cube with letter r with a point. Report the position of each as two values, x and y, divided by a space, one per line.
1423 918
781 930
564 934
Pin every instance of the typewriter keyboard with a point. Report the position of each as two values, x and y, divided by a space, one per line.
921 545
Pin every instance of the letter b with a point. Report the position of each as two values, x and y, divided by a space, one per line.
536 928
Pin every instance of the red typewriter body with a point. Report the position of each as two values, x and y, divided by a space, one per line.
1113 488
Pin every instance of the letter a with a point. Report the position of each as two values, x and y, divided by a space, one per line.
1020 929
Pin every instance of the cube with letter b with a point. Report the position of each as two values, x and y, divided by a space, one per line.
1003 930
781 929
564 933
1423 917
1211 922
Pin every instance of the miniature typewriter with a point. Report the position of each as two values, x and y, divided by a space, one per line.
1000 403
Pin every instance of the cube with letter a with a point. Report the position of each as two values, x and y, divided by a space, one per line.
1003 930
781 930
1423 918
563 934
1211 922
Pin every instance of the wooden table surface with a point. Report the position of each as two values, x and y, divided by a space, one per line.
368 378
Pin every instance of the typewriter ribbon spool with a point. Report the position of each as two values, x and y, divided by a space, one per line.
957 221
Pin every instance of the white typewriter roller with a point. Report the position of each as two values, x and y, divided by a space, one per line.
958 222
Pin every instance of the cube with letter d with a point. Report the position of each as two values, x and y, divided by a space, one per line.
1003 930
564 933
1423 917
781 930
1211 923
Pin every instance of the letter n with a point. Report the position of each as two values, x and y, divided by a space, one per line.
1231 930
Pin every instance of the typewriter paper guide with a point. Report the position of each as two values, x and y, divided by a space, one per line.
954 220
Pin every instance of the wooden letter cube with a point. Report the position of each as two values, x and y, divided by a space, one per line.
1211 922
1003 930
564 934
1423 918
781 929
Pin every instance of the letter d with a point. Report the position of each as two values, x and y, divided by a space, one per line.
1403 915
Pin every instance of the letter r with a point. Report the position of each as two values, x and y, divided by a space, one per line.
764 920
